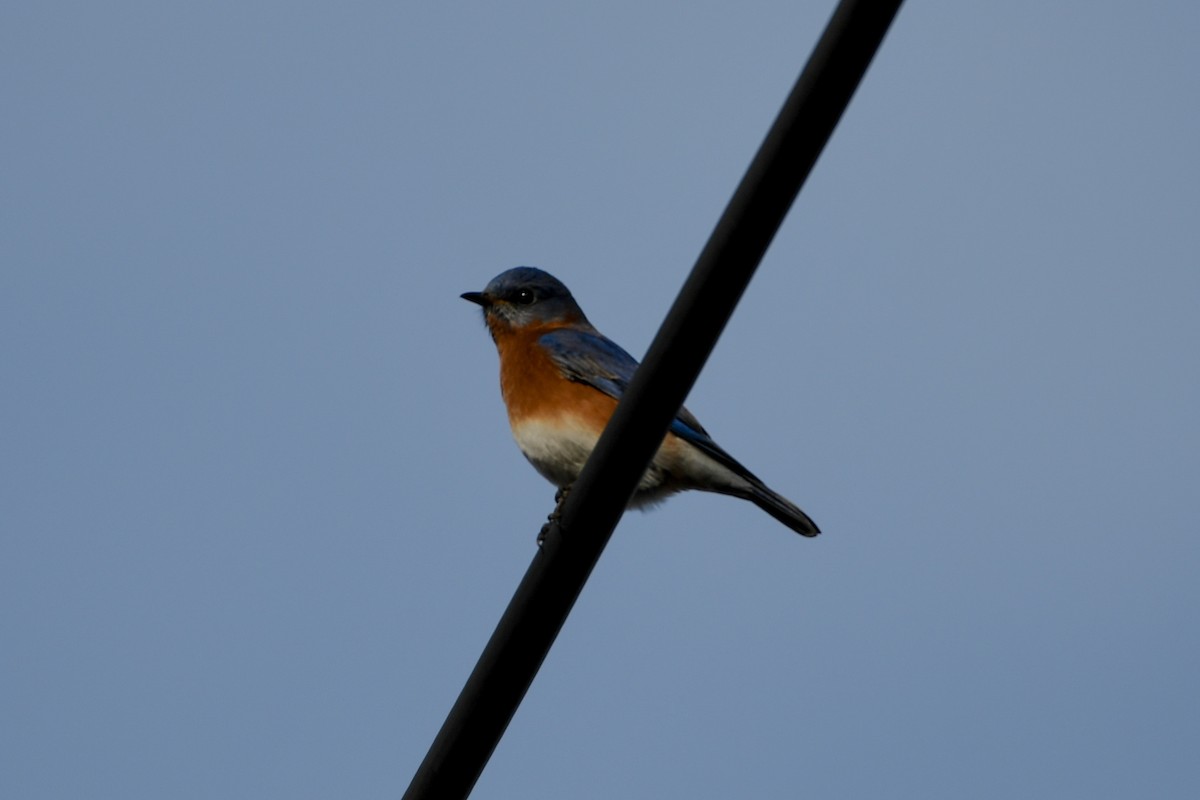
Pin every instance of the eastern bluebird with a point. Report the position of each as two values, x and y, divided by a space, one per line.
561 379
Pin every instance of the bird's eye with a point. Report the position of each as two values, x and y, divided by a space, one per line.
523 297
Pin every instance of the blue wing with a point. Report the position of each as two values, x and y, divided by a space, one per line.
586 356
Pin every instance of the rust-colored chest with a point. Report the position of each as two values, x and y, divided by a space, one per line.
534 389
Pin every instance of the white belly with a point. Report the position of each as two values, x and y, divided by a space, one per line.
557 450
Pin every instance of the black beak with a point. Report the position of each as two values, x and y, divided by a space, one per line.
478 298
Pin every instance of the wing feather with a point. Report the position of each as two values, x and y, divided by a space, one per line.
587 356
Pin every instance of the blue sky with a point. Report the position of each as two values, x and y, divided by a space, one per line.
261 509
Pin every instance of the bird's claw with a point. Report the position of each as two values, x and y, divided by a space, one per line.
555 516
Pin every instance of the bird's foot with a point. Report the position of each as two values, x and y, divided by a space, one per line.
555 516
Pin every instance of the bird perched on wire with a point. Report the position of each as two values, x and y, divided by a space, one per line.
561 378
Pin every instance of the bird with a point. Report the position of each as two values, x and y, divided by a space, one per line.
560 380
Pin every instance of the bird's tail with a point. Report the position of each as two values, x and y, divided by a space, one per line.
781 509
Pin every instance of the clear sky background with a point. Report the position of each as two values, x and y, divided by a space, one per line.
261 510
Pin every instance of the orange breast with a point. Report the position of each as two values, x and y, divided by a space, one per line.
534 390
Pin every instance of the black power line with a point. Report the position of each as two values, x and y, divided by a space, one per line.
598 498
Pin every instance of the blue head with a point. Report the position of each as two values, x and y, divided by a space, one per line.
525 296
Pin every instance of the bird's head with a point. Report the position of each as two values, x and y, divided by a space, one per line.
523 297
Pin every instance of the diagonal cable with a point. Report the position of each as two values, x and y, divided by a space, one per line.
572 547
